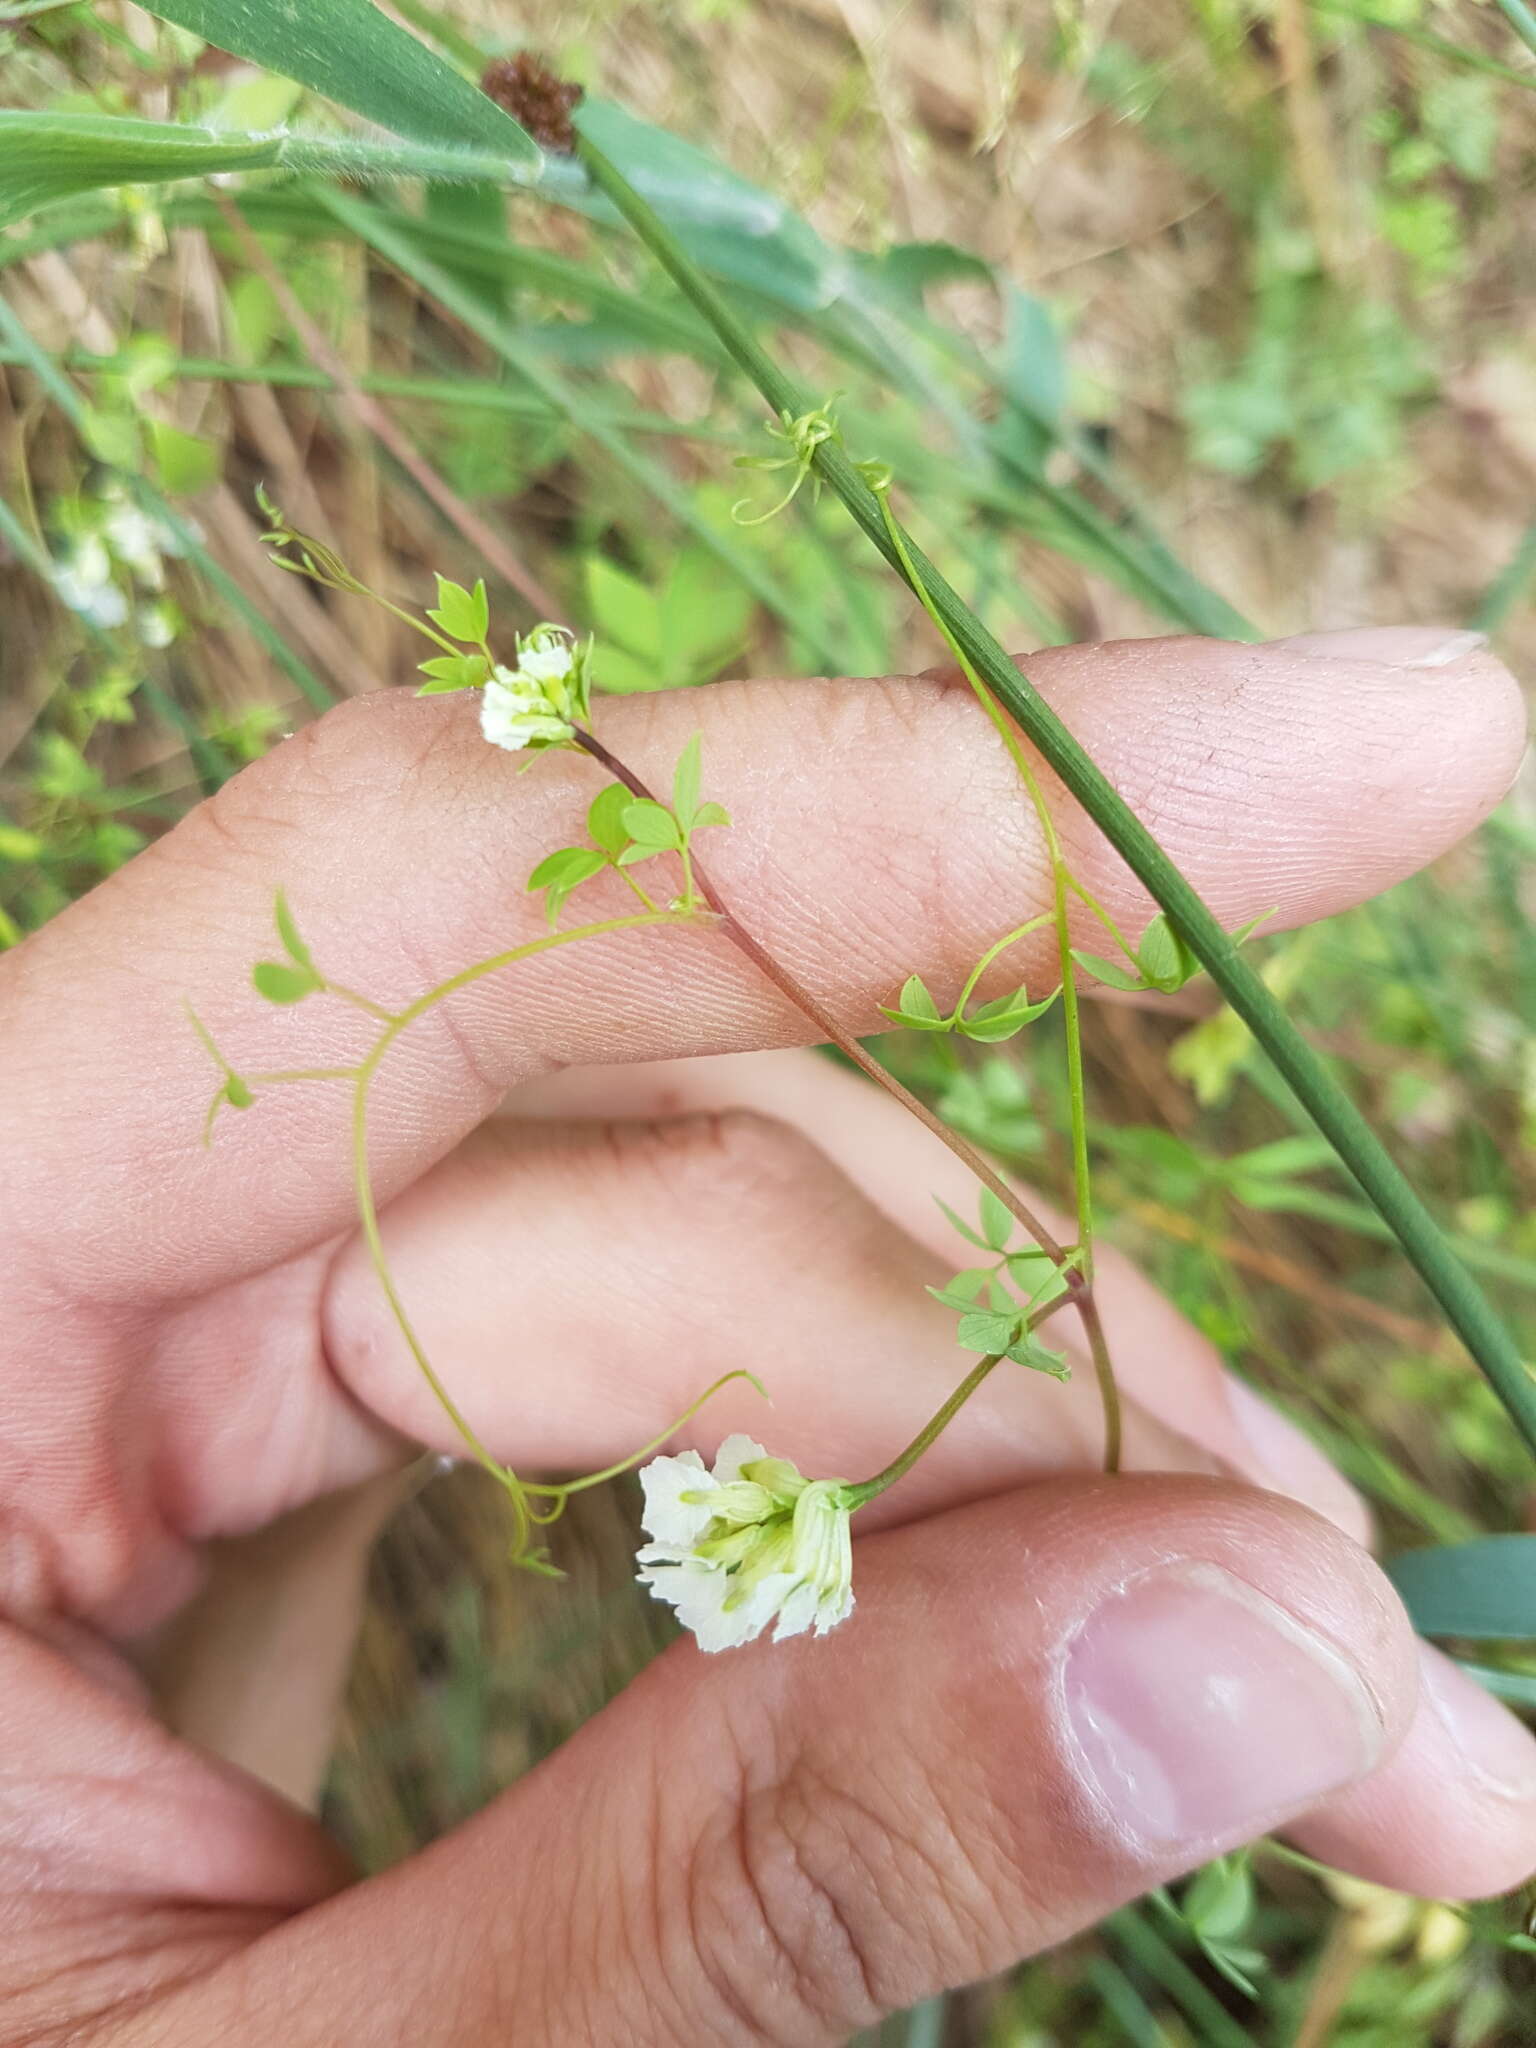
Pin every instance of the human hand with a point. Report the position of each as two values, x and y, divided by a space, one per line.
1058 1690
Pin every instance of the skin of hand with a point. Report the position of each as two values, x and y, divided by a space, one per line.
1057 1689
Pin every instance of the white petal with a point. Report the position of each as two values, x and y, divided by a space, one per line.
726 1628
666 1515
735 1452
501 720
834 1607
797 1613
545 664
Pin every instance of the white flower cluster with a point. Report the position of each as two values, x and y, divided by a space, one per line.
537 703
747 1542
113 533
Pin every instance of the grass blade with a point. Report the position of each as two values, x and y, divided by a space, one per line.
1482 1590
353 54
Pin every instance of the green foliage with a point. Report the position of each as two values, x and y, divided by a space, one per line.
446 673
1217 1908
995 1301
1322 386
668 638
561 872
1315 393
625 830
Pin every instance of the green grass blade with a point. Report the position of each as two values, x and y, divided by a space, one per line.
1515 1688
469 394
1151 1952
1520 19
1440 46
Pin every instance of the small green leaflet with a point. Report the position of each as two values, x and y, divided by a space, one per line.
685 780
352 53
997 1224
1004 1018
288 932
605 819
447 672
653 829
278 981
691 815
462 614
561 872
915 1007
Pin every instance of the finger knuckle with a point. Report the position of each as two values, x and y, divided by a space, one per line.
732 1163
833 1893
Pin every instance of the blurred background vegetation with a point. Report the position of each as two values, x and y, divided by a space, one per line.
1192 314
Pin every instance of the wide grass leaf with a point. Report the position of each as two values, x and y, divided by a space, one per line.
1485 1589
353 54
44 157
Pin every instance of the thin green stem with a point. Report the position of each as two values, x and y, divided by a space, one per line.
628 1464
1465 1307
992 953
397 1022
628 879
1077 1096
931 1430
364 1003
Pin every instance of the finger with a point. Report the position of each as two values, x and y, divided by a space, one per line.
254 1668
1162 1362
703 1279
880 829
1453 1814
651 1259
1043 1706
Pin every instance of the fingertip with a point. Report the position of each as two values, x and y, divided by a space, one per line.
1297 776
1453 1814
1289 1460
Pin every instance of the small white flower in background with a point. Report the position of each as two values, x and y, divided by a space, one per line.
84 582
537 703
137 541
157 624
747 1542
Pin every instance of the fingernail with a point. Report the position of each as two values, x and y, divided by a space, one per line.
1393 646
1202 1712
1294 1464
1496 1750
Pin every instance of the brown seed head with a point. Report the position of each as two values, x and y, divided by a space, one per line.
533 95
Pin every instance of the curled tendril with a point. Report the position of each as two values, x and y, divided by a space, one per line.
805 434
309 557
